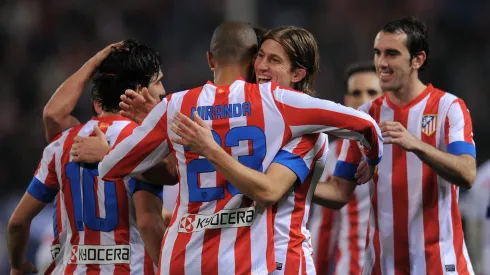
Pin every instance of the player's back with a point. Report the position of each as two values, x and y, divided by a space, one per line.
215 228
94 222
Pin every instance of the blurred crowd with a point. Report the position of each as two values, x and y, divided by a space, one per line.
43 42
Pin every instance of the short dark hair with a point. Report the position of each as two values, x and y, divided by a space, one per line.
417 35
233 42
358 67
129 66
302 50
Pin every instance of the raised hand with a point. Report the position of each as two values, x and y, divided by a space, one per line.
195 135
137 106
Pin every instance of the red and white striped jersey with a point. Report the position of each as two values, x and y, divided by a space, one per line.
306 156
340 236
94 223
415 224
213 224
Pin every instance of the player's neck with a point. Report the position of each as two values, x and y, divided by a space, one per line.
228 75
407 93
106 114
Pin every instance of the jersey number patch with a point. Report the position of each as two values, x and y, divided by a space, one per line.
232 139
85 207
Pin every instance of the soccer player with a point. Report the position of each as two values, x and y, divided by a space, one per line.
94 220
214 222
340 236
415 224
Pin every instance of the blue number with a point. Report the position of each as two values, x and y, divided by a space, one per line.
232 139
85 212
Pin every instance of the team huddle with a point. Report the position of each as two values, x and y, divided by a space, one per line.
261 164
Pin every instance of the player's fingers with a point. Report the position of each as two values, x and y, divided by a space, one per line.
126 99
146 95
199 120
131 93
97 131
178 141
179 132
124 106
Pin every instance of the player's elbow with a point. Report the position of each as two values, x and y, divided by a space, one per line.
16 224
50 114
469 178
267 198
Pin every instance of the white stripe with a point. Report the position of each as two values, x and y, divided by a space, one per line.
282 226
342 266
415 196
445 223
125 146
456 122
194 250
363 206
385 201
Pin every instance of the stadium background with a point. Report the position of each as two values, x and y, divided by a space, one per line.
43 42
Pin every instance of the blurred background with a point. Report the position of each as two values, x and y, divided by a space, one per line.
43 42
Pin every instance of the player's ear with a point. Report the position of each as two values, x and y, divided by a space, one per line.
211 61
418 60
298 75
97 107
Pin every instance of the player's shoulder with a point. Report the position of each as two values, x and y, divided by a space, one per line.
444 96
372 104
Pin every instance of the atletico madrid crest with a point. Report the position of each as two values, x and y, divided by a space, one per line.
429 124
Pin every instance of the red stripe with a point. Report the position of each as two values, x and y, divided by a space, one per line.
51 179
59 225
121 233
376 241
338 147
67 196
296 237
430 197
353 240
148 265
125 132
461 264
295 254
331 118
446 130
325 236
177 260
400 201
212 238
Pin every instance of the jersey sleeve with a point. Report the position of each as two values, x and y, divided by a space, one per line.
44 185
136 185
301 153
141 150
305 114
458 130
350 155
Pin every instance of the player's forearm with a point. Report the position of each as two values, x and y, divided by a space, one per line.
17 239
56 113
334 193
251 183
458 170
